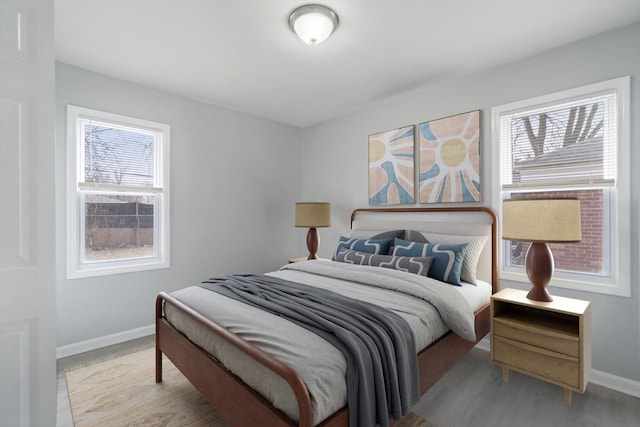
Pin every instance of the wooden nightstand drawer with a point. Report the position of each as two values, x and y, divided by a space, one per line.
550 365
538 334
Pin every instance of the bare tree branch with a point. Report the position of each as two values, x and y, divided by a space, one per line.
536 141
587 127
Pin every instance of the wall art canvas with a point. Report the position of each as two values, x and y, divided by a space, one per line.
450 159
391 167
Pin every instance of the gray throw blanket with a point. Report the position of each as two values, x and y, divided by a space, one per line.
378 345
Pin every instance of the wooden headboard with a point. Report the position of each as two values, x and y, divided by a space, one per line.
464 221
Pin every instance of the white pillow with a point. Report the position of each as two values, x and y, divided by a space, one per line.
471 256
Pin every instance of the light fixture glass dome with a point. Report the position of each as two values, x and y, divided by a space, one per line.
313 23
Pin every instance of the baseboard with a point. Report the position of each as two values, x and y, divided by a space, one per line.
105 341
614 382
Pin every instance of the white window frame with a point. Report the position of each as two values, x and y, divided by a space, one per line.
618 241
76 268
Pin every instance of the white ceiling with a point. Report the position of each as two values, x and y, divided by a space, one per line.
242 55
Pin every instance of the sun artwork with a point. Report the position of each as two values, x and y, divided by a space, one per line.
450 159
391 167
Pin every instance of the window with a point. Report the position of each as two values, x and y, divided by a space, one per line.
573 143
117 193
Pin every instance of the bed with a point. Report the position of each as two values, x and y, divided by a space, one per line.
215 359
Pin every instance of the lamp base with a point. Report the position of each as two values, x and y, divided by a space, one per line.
539 266
539 294
313 240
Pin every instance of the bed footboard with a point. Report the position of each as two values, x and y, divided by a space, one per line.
231 397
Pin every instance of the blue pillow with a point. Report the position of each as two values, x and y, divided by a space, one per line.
447 259
415 265
371 246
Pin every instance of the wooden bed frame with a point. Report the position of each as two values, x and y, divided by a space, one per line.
241 405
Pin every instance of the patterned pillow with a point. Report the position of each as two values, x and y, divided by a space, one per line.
471 256
371 246
416 265
447 259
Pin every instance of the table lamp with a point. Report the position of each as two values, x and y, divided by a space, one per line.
541 221
312 215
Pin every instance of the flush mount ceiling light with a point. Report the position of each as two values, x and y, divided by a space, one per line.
313 23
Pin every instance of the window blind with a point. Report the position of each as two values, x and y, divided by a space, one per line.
116 156
571 143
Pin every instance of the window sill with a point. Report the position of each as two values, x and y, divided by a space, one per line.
107 270
585 284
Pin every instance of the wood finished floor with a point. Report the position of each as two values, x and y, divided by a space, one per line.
471 394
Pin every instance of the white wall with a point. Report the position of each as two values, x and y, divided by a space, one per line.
234 182
335 158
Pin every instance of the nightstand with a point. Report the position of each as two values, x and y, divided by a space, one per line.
546 340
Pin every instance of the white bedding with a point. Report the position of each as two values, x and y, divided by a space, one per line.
321 366
477 295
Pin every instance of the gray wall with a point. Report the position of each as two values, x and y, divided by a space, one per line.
335 158
234 182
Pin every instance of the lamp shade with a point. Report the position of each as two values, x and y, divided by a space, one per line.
313 23
313 214
549 220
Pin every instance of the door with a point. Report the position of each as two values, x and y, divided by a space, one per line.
27 261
